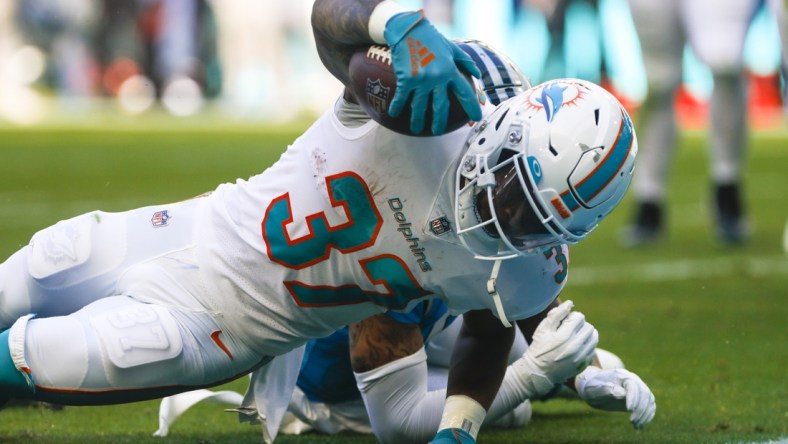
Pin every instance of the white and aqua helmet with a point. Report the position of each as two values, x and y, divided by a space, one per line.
560 156
501 79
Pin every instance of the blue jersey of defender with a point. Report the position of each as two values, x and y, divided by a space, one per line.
326 375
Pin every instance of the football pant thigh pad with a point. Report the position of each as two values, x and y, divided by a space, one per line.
71 244
74 263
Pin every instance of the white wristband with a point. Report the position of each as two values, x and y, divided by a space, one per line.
380 16
462 412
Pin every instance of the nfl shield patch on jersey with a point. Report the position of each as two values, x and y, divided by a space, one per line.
160 219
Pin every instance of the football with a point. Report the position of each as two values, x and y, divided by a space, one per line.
373 84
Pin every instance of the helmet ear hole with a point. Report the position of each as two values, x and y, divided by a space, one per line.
506 154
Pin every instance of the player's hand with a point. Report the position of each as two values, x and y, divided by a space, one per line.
427 64
617 390
563 345
453 436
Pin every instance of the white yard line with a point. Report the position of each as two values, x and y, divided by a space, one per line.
679 270
783 440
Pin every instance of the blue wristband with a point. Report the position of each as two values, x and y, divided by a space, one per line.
453 436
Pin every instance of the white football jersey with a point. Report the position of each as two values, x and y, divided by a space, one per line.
348 223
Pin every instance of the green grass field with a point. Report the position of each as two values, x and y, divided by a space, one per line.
705 326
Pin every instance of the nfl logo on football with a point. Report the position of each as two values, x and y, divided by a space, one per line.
378 96
160 219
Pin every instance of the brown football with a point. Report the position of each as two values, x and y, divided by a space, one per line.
373 83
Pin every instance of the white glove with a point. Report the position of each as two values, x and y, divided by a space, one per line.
617 390
563 345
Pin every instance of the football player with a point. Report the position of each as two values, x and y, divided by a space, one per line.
119 307
715 30
393 382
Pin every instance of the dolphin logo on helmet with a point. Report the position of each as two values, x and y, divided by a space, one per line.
552 98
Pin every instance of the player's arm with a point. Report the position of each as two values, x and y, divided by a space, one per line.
390 364
478 364
390 367
341 27
528 326
562 344
391 372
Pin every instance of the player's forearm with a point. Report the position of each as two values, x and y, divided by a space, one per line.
341 26
479 360
528 326
344 21
477 367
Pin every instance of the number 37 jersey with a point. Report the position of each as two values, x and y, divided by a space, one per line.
348 223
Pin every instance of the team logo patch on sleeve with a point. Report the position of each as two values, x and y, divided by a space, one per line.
160 219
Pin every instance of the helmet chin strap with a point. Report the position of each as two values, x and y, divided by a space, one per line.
494 293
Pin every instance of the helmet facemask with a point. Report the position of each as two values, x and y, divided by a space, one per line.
505 206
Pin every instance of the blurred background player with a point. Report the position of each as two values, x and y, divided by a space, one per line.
98 44
715 30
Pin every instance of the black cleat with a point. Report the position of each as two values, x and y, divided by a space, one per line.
647 227
732 226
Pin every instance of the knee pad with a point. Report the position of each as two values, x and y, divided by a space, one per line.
56 352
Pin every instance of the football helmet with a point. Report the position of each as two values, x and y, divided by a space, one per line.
501 79
544 168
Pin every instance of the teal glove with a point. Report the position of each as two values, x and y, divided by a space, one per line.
453 436
426 63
